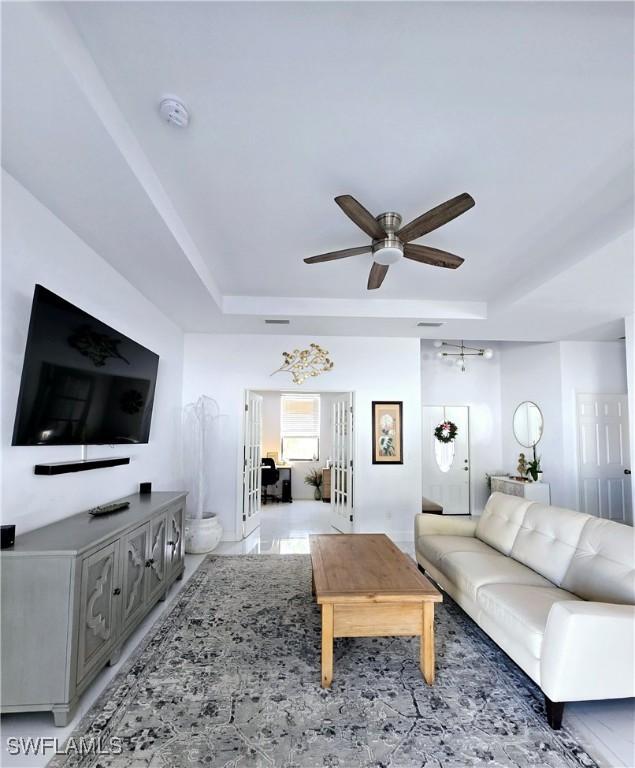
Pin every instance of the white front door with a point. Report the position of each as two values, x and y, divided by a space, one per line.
604 480
342 467
446 466
251 462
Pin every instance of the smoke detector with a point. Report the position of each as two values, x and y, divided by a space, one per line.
173 111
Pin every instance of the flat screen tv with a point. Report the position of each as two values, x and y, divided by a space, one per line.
83 383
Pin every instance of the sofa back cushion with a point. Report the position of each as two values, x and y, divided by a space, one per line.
547 540
500 522
603 565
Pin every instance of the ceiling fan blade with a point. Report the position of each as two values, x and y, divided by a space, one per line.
436 217
377 275
343 254
360 216
434 256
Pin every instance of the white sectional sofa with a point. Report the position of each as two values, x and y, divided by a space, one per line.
555 589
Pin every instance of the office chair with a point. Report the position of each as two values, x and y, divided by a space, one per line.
269 475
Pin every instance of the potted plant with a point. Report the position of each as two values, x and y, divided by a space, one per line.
534 469
314 478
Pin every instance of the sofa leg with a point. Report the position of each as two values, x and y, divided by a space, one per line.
554 713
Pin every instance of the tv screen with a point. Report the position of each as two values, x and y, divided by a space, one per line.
82 381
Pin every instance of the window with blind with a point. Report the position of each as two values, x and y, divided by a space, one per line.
300 427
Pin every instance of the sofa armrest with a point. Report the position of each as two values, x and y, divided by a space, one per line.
444 524
588 651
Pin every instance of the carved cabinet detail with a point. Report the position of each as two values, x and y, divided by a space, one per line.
175 548
157 562
134 556
98 617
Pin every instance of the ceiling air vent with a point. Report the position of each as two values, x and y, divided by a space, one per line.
429 325
277 322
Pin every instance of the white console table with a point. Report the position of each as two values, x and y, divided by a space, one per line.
540 492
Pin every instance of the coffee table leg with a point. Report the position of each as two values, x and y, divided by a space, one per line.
327 644
427 643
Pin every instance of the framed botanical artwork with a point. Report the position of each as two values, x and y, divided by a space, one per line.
387 432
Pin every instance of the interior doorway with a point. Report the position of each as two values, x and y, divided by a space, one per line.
446 465
604 469
289 439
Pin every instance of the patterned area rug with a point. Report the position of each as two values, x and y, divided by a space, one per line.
230 675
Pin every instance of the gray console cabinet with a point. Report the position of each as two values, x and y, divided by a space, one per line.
72 593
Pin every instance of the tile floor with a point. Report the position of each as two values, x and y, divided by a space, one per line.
606 729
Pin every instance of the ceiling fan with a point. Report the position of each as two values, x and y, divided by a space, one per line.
391 241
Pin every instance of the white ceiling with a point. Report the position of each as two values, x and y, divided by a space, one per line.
526 106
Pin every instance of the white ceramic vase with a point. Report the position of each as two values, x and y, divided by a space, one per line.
202 534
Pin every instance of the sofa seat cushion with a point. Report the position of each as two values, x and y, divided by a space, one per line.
472 570
521 611
436 546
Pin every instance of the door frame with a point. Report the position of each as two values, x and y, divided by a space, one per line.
469 453
241 448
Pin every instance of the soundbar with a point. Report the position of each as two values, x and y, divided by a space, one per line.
63 467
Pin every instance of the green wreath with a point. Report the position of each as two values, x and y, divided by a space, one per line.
446 432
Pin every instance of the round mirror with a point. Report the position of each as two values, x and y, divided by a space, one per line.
528 424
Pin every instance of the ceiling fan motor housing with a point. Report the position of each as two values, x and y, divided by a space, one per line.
388 250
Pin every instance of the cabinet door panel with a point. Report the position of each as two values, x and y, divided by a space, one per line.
134 548
99 608
176 541
157 561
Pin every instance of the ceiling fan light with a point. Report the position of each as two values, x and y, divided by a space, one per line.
437 344
387 255
440 355
488 354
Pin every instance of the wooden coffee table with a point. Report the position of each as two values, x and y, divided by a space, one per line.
368 587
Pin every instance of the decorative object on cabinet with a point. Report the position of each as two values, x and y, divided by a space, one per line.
314 478
7 534
462 353
540 492
87 582
303 363
522 468
387 432
534 468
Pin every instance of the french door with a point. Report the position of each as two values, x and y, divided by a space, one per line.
446 466
251 462
604 479
342 467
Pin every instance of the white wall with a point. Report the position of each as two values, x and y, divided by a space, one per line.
550 375
629 323
38 248
480 389
223 366
532 372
